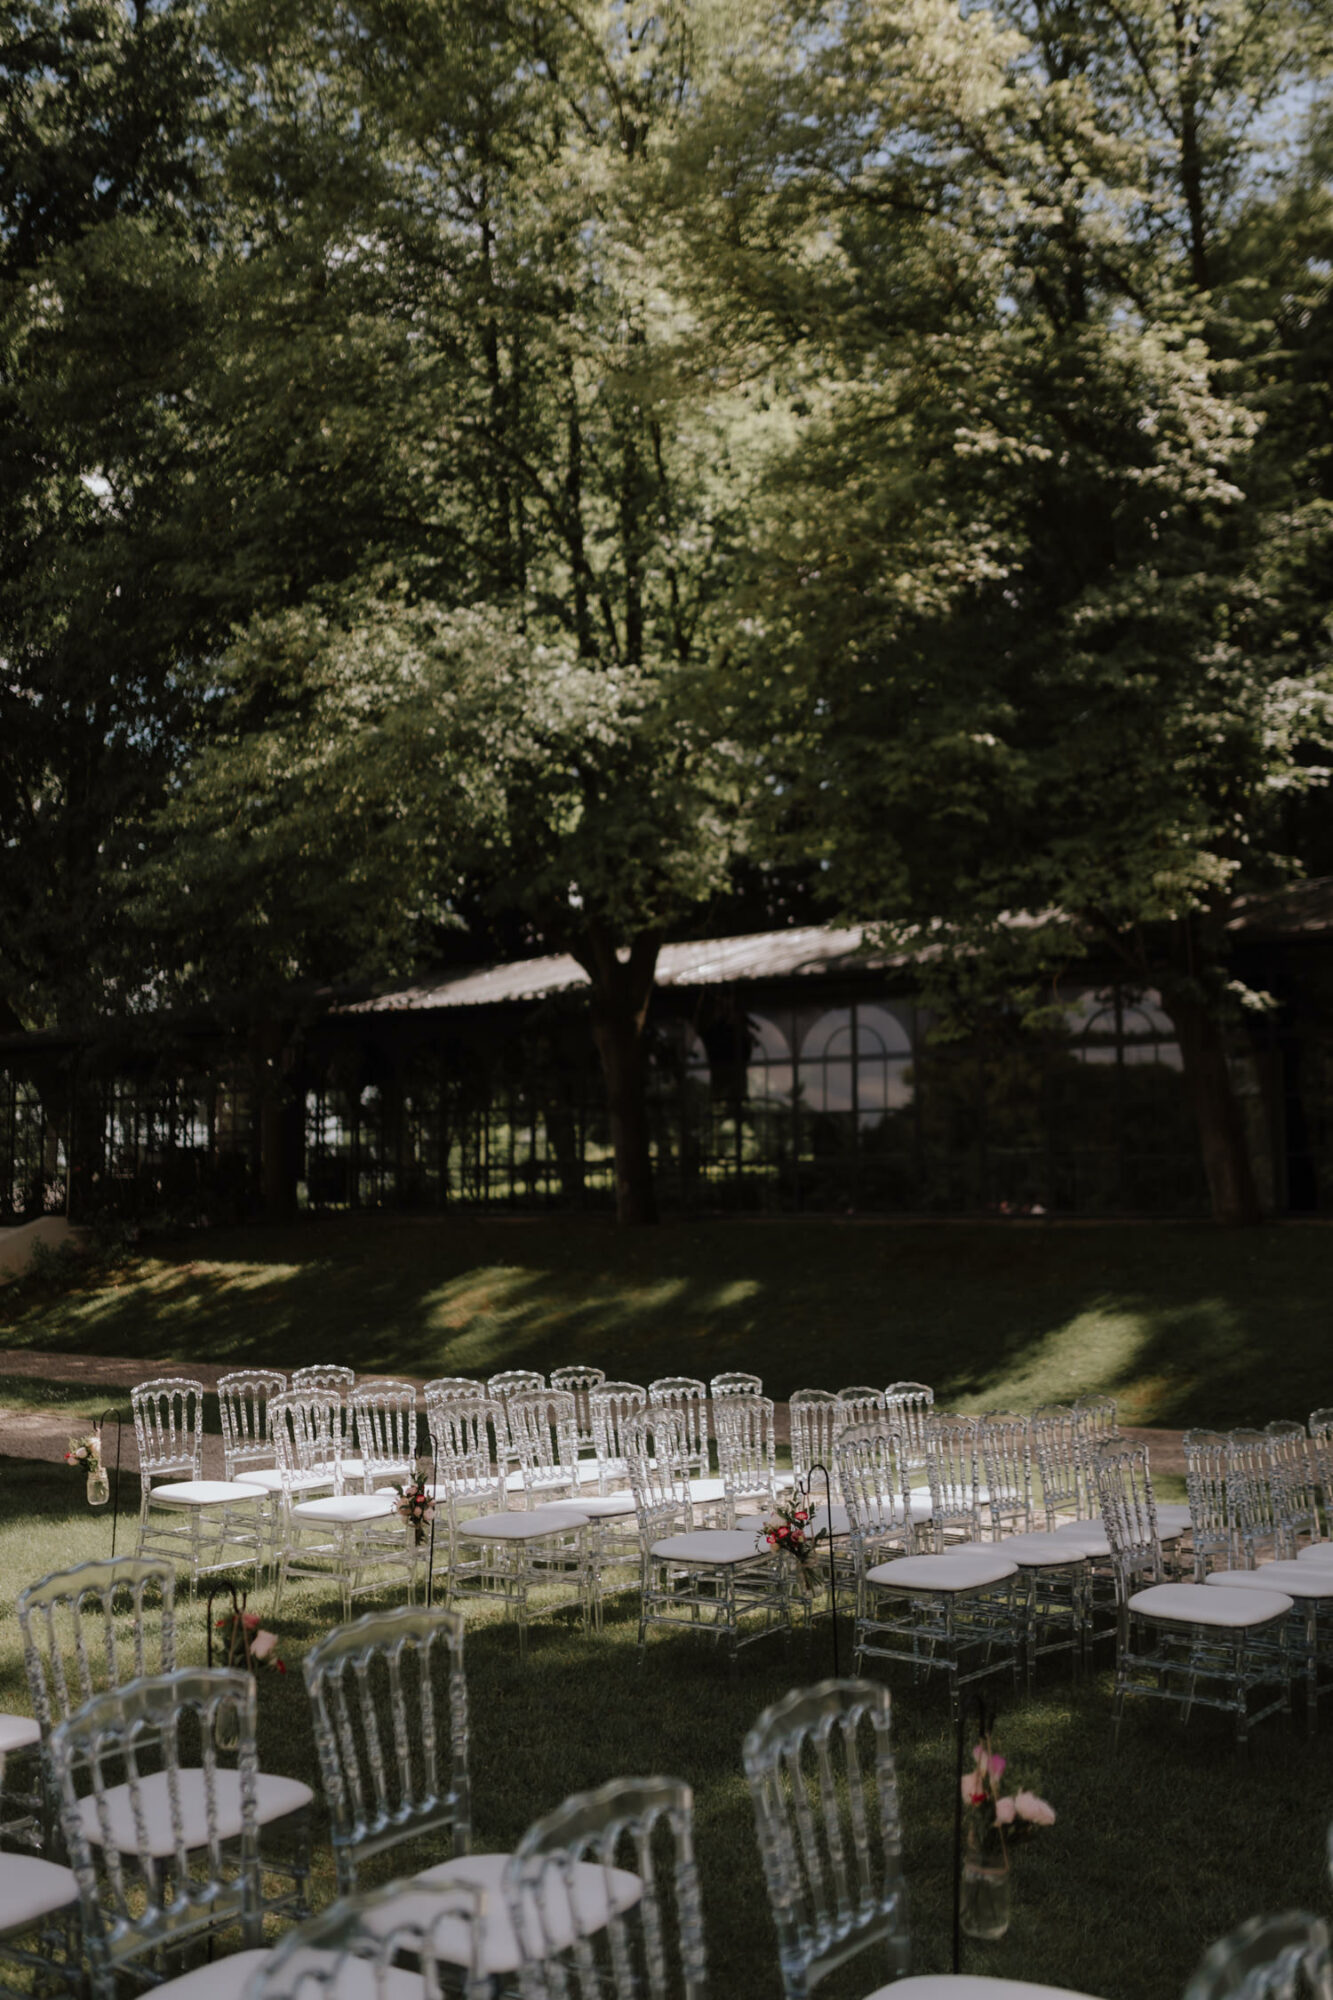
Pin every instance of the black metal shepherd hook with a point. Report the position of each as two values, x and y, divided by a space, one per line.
111 1411
807 1495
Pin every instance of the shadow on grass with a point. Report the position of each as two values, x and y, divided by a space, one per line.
1183 1322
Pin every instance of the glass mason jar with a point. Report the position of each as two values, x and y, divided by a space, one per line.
99 1486
984 1896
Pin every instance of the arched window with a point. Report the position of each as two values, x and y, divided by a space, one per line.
857 1059
768 1073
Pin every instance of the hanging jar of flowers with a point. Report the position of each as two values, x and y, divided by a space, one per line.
995 1819
85 1454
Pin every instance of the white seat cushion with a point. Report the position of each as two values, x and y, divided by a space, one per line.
1089 1541
971 1986
712 1545
204 1493
1293 1579
275 1798
963 1569
222 1978
345 1509
834 1520
18 1732
533 1527
707 1492
31 1889
1173 1518
1200 1604
269 1480
598 1892
1318 1552
1039 1551
593 1506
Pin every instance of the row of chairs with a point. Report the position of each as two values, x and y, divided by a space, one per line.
601 1897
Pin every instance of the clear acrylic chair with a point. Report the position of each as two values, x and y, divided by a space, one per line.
825 1793
1295 1485
39 1900
531 1561
722 1583
354 1540
1320 1427
542 1430
1005 1440
511 1382
953 1474
167 1855
815 1416
1215 1530
910 1404
384 1419
884 1517
580 1380
735 1382
860 1404
243 1398
1185 1643
208 1524
688 1395
1283 1957
603 1895
1061 1470
613 1405
747 1453
388 1701
445 1388
1255 1499
325 1376
361 1948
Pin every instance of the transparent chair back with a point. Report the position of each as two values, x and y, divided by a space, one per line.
243 1398
1257 1510
825 1793
1129 1515
1098 1418
1060 1465
543 1434
580 1381
1209 1487
164 1854
358 1948
169 1427
735 1382
689 1395
816 1416
614 1405
910 1405
656 1453
641 1937
306 1430
389 1704
872 1480
953 1470
330 1378
95 1627
512 1382
1321 1451
384 1414
859 1404
1006 1470
1295 1484
1283 1957
464 1439
746 1448
446 1388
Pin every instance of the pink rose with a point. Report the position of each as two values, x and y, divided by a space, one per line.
1005 1809
262 1645
973 1795
1034 1810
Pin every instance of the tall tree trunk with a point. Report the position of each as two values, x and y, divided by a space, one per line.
1226 1157
279 1129
621 988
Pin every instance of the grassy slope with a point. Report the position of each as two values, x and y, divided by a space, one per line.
1184 1323
1156 1851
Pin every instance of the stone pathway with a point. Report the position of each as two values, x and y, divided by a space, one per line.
44 1435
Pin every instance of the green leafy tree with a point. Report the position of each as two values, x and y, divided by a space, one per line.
1048 677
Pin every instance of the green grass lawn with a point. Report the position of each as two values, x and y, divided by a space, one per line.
1156 1850
1183 1323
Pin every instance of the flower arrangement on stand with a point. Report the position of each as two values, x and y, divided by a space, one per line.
995 1820
787 1530
416 1505
85 1455
246 1643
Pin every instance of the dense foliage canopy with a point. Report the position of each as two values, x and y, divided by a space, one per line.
476 463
